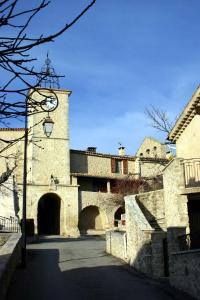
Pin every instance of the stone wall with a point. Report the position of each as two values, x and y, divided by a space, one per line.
9 202
9 258
159 263
68 196
103 201
138 237
116 244
176 212
14 153
152 148
191 133
81 162
152 206
142 245
185 272
151 168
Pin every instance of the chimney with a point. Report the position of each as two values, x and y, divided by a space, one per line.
92 149
121 151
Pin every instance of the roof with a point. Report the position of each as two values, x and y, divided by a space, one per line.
152 139
12 129
154 159
106 176
186 116
127 157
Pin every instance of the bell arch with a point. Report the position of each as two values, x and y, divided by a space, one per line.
48 214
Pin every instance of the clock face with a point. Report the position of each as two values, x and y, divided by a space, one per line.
50 103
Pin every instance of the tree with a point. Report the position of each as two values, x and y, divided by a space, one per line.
18 74
130 185
159 119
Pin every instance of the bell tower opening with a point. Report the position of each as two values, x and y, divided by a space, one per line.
49 215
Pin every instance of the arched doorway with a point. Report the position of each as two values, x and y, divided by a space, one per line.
49 214
117 216
90 218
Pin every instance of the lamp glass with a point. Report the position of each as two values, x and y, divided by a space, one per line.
48 126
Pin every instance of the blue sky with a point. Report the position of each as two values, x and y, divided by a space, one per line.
122 56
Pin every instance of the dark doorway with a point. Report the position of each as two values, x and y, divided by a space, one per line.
49 214
194 220
90 218
117 217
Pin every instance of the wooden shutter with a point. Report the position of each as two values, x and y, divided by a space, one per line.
113 169
125 166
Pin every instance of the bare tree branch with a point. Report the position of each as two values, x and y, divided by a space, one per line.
18 74
159 119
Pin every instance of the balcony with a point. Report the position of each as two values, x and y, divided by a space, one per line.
192 172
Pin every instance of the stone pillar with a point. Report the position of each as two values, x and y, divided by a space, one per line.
158 267
173 243
138 167
108 186
172 237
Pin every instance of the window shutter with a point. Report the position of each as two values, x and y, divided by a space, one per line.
113 170
125 166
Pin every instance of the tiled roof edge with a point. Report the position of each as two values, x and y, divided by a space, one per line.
12 129
103 155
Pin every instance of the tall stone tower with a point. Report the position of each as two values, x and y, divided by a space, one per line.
52 201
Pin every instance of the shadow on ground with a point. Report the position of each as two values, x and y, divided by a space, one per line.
99 276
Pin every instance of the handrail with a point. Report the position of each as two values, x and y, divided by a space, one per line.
9 224
192 172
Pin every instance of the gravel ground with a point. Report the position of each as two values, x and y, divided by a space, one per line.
3 238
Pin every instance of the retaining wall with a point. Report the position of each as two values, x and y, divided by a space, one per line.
9 258
116 243
185 271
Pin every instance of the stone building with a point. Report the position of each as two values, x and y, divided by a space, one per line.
152 148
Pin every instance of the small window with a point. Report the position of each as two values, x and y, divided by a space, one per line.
155 151
148 151
141 154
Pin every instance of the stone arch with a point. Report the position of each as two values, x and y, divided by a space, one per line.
117 215
90 218
48 214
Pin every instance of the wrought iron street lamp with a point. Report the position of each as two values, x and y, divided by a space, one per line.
48 126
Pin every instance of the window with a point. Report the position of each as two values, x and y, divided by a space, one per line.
155 151
119 166
141 154
100 185
148 151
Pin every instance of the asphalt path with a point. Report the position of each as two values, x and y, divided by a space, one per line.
59 269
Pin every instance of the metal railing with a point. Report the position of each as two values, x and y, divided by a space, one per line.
192 172
9 224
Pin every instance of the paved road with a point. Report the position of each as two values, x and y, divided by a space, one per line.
80 269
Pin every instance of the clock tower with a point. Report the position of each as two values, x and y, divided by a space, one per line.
52 200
